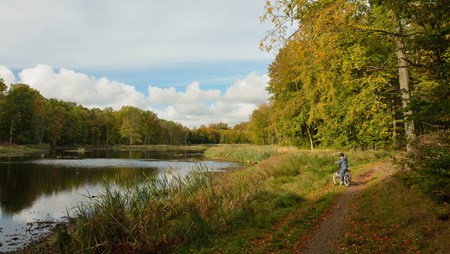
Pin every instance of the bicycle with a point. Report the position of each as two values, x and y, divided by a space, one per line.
347 177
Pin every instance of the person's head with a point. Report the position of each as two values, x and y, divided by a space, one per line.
341 155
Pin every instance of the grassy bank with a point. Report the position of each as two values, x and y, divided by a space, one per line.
392 218
18 150
266 207
158 148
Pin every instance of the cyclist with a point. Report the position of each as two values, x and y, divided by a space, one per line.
343 164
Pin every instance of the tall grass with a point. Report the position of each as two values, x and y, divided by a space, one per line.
150 214
208 212
245 153
197 148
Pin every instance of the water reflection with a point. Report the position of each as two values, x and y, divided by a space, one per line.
42 189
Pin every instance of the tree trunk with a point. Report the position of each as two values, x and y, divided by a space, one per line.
403 76
11 132
310 138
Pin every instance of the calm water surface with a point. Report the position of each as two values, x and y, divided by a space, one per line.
36 192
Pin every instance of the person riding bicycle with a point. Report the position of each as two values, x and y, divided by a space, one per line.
343 164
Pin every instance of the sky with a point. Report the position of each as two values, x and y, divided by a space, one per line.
193 62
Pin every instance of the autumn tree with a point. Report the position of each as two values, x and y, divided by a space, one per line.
260 129
151 127
57 125
342 61
131 123
22 114
3 89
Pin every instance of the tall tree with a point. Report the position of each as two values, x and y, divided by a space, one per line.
131 123
260 129
3 89
57 122
342 54
23 114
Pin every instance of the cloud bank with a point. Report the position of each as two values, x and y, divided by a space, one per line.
191 107
116 34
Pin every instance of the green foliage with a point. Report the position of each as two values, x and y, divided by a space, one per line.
429 167
28 118
23 117
335 80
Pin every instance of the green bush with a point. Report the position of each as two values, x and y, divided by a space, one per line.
429 167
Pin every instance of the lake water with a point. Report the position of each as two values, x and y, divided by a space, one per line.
37 191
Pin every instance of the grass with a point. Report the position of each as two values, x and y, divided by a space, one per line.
199 148
392 218
17 150
265 207
245 153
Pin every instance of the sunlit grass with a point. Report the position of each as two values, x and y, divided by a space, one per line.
391 218
245 153
15 150
198 148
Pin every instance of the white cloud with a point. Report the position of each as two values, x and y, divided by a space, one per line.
196 106
192 107
77 87
252 89
192 94
7 75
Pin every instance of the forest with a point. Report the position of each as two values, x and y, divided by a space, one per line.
26 117
358 73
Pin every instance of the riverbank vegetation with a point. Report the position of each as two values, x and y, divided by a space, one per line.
204 213
18 150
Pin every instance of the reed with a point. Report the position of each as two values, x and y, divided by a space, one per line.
244 153
194 148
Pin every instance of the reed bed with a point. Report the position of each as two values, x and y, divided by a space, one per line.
244 153
205 212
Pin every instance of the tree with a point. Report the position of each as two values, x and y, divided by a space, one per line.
259 127
3 89
23 114
342 57
131 120
57 122
151 127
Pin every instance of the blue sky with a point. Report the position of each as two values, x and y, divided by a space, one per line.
194 62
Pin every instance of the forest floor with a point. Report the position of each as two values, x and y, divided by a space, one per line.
336 221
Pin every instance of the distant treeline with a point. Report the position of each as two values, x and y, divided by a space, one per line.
26 117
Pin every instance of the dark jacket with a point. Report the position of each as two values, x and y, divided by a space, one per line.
343 163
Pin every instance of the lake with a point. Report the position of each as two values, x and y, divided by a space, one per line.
38 191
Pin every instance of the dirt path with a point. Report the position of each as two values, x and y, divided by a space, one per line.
333 224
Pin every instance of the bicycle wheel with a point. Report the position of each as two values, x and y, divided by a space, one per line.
336 178
347 179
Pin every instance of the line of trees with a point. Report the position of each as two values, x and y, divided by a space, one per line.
26 117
